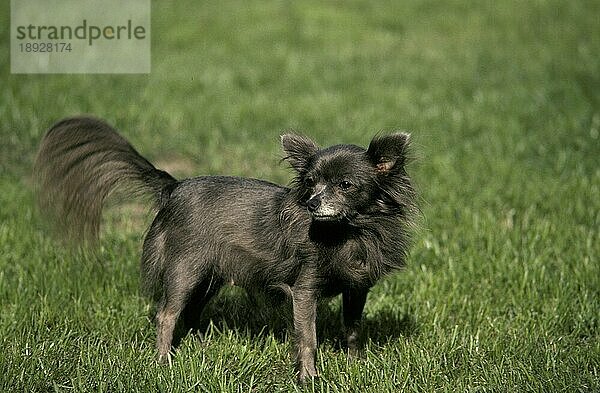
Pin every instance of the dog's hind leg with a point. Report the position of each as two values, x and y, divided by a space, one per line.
182 284
166 318
199 299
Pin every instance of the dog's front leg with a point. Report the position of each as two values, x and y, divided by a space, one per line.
353 303
305 315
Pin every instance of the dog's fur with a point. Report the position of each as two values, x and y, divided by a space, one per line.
344 223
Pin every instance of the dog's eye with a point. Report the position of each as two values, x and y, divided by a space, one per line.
345 185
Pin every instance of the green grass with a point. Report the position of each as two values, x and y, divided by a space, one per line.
502 292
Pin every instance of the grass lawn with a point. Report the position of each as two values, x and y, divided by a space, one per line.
502 290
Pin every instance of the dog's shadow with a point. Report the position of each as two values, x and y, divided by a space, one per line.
234 309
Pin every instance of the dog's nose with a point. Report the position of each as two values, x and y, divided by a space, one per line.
313 204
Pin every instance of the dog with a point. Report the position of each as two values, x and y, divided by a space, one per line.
344 222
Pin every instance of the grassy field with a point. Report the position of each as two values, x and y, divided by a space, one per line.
502 290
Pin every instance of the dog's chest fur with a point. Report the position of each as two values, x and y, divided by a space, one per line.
343 259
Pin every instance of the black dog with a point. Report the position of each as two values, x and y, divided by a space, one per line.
342 225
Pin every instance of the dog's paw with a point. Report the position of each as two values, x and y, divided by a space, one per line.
165 359
307 375
355 353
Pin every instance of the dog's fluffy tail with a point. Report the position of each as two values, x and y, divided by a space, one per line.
81 161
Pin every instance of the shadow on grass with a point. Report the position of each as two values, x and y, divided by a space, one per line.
234 309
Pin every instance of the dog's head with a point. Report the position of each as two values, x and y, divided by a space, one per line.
347 182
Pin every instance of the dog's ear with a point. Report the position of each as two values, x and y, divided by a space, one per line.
388 153
298 149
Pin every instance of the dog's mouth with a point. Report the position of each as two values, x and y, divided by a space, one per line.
327 217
